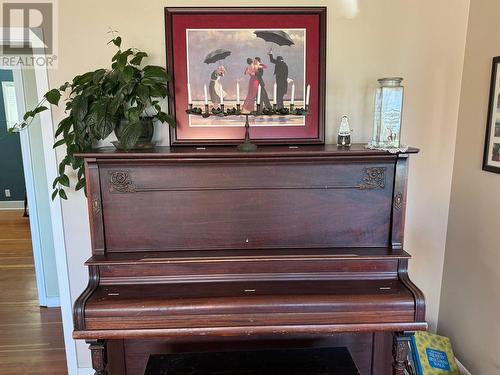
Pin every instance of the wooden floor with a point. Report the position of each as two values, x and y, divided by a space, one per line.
31 338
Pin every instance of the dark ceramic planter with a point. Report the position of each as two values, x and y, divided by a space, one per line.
145 139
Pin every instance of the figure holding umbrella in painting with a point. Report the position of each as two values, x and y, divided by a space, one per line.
217 94
281 38
215 88
281 74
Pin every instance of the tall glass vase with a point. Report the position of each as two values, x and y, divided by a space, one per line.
388 111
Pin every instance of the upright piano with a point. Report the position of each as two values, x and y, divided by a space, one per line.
207 249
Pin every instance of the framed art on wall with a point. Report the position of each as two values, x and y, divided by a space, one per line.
491 160
241 57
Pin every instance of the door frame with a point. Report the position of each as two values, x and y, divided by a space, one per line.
29 181
51 166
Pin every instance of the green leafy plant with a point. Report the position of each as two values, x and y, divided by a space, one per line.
97 101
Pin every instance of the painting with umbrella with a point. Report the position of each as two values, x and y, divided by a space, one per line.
247 69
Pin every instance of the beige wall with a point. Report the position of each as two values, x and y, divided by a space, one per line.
422 41
470 298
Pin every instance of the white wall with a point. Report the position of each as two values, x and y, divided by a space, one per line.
470 298
422 41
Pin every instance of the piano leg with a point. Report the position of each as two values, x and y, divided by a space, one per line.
99 357
400 351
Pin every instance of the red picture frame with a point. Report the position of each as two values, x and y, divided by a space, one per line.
192 32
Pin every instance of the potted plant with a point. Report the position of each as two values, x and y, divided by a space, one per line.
123 98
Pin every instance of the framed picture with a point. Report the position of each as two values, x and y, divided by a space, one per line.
491 160
274 57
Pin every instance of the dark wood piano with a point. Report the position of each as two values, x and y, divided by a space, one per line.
201 249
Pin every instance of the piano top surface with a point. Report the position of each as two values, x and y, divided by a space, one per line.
231 151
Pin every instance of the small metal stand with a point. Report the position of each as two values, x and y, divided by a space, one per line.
247 146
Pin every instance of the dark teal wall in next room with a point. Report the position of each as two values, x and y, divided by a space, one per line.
11 164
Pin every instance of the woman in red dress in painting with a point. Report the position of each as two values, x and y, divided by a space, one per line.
253 85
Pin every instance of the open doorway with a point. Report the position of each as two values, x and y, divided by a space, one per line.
24 180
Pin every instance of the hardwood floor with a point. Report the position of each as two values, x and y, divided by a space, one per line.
31 338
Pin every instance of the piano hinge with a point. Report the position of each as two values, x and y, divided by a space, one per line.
398 201
96 205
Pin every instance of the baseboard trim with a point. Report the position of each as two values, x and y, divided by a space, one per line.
85 371
53 302
11 205
461 368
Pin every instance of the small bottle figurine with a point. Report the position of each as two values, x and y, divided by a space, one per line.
344 136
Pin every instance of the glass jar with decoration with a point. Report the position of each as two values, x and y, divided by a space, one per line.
388 112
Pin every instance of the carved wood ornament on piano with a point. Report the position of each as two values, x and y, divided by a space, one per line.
196 249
